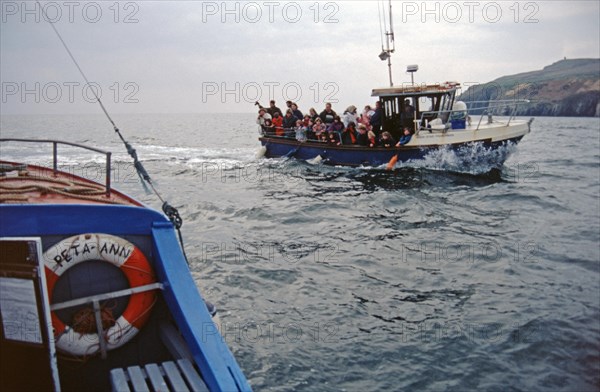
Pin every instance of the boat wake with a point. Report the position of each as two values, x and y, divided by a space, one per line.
474 159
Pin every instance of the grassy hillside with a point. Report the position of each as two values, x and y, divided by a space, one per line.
565 88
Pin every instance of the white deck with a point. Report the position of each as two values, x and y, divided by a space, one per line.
496 131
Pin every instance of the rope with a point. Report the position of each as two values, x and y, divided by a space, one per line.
84 320
173 214
15 193
85 187
174 217
121 332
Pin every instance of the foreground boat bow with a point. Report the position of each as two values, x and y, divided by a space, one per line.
94 276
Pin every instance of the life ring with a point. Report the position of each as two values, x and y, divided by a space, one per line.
122 254
449 85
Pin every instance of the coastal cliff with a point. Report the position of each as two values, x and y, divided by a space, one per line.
565 88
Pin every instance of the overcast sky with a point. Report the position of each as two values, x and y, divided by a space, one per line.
214 56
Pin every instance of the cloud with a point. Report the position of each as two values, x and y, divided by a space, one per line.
170 53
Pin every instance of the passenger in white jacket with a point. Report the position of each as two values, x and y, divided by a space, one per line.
349 116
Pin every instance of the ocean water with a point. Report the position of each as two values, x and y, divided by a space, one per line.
437 276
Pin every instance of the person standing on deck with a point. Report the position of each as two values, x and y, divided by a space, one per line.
271 109
327 115
408 116
377 118
365 117
278 124
289 122
313 114
297 112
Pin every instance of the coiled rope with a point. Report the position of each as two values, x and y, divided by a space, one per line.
74 189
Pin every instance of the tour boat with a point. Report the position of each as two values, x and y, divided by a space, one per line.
431 113
435 120
96 293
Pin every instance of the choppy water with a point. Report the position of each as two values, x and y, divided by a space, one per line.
424 278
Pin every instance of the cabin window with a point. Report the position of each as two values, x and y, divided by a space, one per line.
426 104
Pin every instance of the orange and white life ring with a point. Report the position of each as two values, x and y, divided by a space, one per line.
450 84
122 254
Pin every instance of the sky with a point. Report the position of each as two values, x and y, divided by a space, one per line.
220 57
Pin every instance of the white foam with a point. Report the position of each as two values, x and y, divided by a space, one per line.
473 158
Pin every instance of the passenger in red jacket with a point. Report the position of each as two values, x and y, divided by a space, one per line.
278 124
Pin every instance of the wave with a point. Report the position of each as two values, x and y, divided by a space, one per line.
474 158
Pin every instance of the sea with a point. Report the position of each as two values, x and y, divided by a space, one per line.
441 275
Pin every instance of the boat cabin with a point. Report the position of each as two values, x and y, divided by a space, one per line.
412 105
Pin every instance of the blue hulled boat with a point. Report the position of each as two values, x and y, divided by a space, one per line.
432 115
95 292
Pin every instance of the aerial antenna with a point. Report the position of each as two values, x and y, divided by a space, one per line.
386 53
379 13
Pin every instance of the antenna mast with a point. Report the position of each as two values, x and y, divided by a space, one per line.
386 54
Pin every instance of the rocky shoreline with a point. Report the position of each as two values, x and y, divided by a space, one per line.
568 88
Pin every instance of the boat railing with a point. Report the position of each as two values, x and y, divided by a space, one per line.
275 131
487 109
55 143
290 134
95 301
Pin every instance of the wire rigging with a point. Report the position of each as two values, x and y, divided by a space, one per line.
392 29
379 12
170 211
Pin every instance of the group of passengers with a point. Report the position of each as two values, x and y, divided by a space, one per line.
328 127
